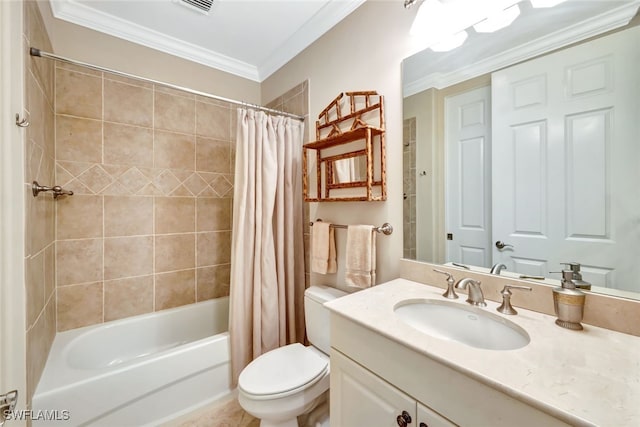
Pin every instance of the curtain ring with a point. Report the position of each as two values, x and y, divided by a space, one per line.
21 123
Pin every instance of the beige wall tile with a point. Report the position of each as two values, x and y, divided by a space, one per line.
175 214
78 94
213 155
49 271
125 103
174 150
79 305
78 140
175 289
34 284
128 216
214 214
37 351
79 217
128 297
214 248
78 261
175 252
213 121
213 282
174 113
128 256
128 145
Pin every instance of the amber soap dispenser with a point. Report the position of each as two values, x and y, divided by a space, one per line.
568 303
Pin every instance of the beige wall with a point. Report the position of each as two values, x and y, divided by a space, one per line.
40 211
363 52
149 225
82 44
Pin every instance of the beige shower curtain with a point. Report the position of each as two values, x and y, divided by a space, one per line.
267 249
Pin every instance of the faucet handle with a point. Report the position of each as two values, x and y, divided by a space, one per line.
451 281
506 307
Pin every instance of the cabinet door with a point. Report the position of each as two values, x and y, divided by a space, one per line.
360 398
430 418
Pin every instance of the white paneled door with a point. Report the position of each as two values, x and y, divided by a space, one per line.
468 177
566 161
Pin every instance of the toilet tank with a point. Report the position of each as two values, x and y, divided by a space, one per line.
317 316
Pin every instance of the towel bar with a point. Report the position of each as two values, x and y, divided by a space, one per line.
385 228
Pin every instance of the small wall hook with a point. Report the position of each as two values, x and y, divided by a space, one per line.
21 123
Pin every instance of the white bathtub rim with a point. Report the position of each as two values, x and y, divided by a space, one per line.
57 360
62 383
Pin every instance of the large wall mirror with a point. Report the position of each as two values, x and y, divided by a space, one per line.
522 147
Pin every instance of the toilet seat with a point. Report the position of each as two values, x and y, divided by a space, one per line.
282 372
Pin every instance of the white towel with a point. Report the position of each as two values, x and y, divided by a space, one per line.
361 256
323 248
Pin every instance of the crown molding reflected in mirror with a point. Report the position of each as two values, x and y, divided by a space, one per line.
429 85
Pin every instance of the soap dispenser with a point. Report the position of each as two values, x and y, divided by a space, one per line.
577 276
568 303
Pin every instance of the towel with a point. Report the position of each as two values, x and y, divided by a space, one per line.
323 248
361 256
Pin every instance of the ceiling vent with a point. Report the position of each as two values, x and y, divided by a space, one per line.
202 6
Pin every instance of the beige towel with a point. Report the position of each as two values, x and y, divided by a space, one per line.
361 256
323 248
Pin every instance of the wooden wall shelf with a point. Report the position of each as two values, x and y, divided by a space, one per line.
347 161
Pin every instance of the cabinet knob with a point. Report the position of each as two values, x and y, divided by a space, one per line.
404 419
423 425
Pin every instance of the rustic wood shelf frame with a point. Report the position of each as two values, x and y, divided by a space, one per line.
333 129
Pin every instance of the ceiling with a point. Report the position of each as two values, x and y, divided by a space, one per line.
534 32
248 38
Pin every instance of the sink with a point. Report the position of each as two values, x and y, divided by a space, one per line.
465 324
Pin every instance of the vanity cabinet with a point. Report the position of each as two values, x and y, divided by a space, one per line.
361 398
375 378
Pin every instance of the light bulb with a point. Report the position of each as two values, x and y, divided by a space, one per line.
545 3
450 43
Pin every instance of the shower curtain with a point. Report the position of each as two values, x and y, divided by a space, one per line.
267 249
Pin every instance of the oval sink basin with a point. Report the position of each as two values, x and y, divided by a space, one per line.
468 325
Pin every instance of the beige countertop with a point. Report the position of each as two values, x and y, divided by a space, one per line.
589 377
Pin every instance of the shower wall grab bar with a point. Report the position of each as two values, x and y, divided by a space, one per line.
385 228
56 190
42 54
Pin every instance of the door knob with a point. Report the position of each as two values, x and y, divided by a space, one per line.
501 245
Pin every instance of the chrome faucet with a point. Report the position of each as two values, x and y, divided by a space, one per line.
475 295
497 268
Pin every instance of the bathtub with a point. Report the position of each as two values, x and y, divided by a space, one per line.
139 371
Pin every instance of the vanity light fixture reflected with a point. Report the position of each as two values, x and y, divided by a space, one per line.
545 3
499 20
441 24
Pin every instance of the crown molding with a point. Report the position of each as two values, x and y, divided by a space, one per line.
332 13
598 24
80 14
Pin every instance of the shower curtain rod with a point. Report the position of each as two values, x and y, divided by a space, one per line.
37 52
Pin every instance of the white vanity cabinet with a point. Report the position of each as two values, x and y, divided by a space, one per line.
361 398
374 379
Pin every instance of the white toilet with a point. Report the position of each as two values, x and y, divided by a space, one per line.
292 380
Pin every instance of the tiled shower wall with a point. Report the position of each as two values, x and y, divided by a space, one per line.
40 211
409 187
149 225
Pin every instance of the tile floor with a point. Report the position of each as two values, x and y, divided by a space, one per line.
227 413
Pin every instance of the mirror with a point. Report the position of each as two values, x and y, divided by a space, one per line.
433 83
350 170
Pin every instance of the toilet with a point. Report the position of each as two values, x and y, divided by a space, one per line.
289 381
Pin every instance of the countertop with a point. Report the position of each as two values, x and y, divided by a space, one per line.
589 377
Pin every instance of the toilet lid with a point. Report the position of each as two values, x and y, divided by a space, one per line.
281 370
